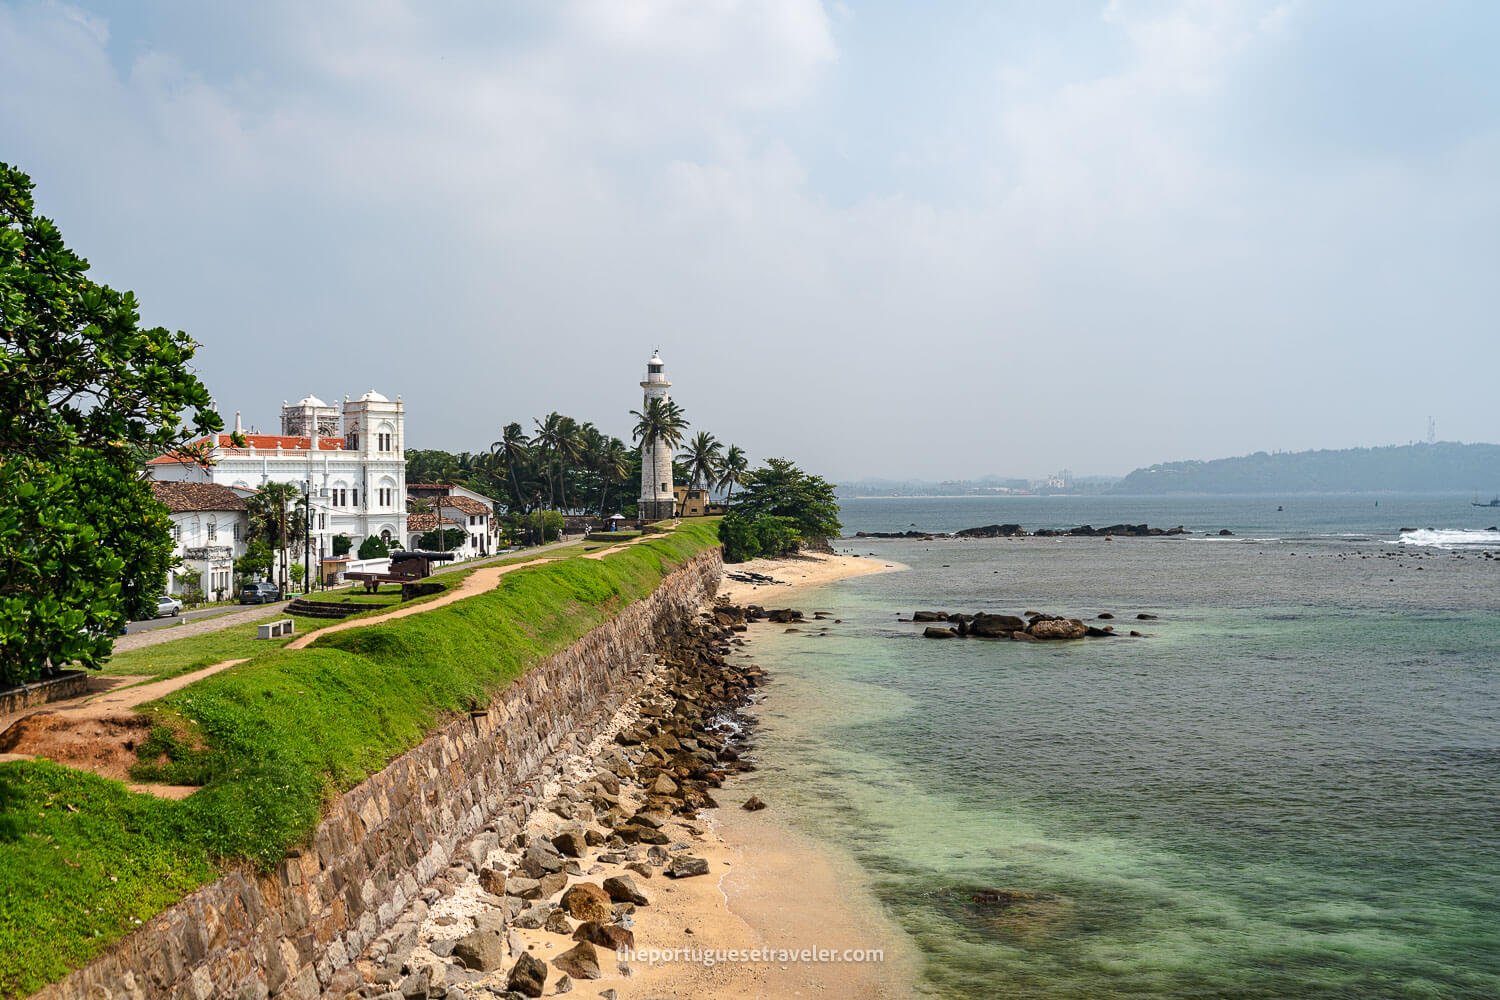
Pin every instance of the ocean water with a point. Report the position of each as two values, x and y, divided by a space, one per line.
1290 787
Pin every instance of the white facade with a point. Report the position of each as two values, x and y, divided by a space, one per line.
357 480
210 530
463 510
657 500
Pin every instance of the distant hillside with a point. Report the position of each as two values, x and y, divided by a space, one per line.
1416 468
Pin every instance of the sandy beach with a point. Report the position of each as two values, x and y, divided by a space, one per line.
776 915
795 574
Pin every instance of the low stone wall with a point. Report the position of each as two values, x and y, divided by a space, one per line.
69 684
285 934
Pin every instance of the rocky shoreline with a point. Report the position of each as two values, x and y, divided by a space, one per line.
560 901
1032 626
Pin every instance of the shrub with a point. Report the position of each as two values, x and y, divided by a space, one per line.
746 537
373 548
342 544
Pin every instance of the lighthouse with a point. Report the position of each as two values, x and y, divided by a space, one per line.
657 500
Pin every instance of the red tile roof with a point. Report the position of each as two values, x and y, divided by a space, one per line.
269 442
182 497
427 522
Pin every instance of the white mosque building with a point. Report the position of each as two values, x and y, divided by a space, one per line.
356 479
657 498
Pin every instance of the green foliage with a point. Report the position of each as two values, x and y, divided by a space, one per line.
84 547
373 547
778 497
83 392
341 545
552 525
273 508
746 538
257 559
75 369
451 539
83 861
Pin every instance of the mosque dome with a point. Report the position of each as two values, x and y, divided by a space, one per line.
310 401
373 397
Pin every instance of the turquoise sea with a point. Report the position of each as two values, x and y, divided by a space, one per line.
1289 788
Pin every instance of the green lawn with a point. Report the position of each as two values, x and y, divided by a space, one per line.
270 741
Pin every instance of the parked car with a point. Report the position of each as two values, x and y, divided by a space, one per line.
168 605
260 593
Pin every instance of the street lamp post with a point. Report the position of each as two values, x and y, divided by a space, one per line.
307 536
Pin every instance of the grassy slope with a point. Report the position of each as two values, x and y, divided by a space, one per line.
278 736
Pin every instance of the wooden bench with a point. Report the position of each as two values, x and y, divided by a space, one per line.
276 629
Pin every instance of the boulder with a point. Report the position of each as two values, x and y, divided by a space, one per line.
492 880
610 936
571 841
580 961
524 888
1059 628
929 616
663 785
528 977
994 626
557 923
933 632
482 951
586 901
553 884
533 918
621 889
686 866
541 858
753 804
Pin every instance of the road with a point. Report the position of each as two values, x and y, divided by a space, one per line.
187 616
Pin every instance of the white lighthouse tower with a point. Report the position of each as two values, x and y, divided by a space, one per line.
657 500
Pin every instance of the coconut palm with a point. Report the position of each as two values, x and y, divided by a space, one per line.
702 458
613 466
661 422
733 469
552 431
512 450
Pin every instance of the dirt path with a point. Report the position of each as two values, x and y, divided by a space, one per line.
477 583
634 541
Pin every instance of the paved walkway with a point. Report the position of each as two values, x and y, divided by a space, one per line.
202 626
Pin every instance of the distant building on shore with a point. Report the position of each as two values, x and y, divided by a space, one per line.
658 500
357 481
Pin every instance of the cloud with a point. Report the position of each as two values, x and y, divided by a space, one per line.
883 241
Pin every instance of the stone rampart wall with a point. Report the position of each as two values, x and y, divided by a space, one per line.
285 934
69 684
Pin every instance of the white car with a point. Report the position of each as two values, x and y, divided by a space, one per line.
168 606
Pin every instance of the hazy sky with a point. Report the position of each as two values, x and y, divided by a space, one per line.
883 239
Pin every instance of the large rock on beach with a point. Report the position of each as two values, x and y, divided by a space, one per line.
929 616
482 951
686 866
933 632
609 936
580 961
586 901
621 889
528 977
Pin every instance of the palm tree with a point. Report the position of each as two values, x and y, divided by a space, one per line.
660 422
512 449
732 471
613 466
702 458
549 435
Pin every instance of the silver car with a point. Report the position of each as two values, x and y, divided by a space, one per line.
167 605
